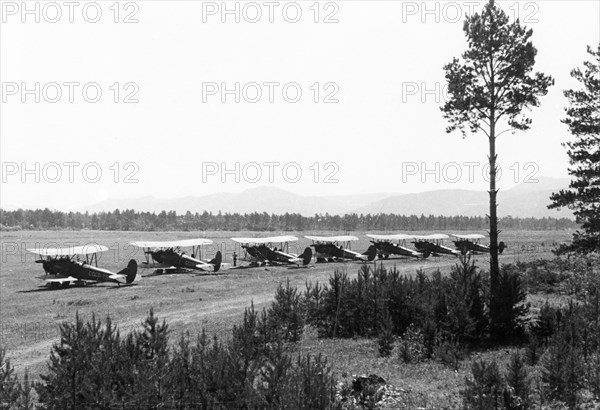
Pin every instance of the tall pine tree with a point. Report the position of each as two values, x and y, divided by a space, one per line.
583 120
489 87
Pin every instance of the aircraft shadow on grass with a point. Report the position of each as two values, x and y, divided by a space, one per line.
45 288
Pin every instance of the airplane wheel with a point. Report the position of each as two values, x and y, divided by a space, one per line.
65 284
380 256
320 260
331 260
386 256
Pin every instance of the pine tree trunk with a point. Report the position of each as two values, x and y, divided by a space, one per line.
494 266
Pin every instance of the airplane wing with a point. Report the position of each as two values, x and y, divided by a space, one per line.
184 243
273 239
61 280
433 237
395 237
341 238
469 236
70 251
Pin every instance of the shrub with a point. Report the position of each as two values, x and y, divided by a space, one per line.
448 351
93 366
311 384
592 374
286 314
510 322
356 307
331 316
545 325
562 365
534 350
411 347
9 385
541 276
25 399
489 389
516 395
386 336
570 275
485 389
466 317
312 300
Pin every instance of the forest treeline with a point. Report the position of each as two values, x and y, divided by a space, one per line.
131 220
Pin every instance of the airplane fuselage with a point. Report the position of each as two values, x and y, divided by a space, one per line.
389 248
79 270
330 250
465 246
263 253
56 266
179 260
434 248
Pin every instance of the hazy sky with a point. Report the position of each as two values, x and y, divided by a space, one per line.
369 74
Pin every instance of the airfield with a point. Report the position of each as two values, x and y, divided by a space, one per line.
31 313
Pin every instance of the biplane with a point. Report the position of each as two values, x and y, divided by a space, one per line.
337 248
65 266
470 243
433 244
260 251
167 256
394 245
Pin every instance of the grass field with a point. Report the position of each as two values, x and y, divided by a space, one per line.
31 313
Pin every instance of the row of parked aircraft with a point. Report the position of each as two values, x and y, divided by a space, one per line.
337 248
79 265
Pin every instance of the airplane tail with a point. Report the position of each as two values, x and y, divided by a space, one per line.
371 253
130 271
501 247
216 261
306 256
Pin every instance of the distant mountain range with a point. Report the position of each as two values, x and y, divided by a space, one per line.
525 200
